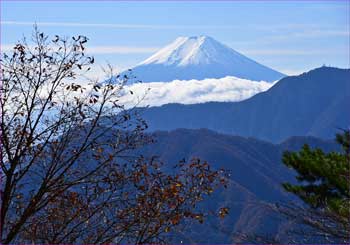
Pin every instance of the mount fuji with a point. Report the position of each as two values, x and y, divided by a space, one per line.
200 57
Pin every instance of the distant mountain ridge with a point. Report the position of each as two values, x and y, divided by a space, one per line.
315 103
200 57
256 175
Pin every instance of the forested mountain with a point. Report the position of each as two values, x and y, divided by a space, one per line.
315 103
256 175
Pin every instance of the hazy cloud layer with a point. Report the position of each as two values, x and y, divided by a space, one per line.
192 91
304 30
116 25
121 50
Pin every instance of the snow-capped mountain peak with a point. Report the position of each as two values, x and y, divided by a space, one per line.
201 57
193 50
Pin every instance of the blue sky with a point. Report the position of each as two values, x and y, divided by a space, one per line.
290 36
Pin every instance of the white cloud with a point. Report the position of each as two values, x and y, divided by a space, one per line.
121 49
295 52
117 26
6 47
306 34
192 91
105 49
300 29
77 24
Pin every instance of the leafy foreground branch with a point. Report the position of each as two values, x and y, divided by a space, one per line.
126 204
68 171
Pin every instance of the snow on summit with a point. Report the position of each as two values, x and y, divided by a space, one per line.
201 57
186 51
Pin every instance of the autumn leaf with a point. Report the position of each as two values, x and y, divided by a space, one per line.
223 212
